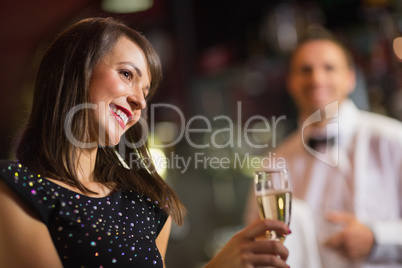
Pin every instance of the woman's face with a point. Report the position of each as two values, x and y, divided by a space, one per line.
118 86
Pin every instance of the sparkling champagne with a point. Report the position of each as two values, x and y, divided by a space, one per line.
275 205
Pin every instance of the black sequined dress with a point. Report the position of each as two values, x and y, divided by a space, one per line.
114 231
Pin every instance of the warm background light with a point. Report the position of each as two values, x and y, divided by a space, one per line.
159 159
126 6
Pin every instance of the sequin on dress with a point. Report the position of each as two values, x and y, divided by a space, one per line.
114 231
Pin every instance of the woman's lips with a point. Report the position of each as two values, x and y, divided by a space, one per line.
121 114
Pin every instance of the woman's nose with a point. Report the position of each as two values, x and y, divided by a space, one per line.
137 100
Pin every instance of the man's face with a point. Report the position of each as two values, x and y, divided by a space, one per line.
319 75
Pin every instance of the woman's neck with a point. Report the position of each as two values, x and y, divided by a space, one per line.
85 171
85 165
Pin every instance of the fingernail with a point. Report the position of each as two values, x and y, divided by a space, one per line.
289 231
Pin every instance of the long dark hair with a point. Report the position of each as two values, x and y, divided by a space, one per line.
61 84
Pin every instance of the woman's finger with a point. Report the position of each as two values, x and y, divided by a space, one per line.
264 260
261 227
269 247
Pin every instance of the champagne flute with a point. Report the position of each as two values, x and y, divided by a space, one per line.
273 190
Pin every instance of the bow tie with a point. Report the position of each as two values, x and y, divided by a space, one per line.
320 142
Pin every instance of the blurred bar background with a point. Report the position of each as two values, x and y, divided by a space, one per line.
216 55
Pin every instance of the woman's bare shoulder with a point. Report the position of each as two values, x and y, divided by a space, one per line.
25 241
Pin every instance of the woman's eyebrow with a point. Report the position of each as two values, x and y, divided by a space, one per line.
132 65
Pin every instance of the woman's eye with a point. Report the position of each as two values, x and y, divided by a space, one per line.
127 74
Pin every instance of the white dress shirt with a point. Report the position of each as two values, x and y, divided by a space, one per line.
366 180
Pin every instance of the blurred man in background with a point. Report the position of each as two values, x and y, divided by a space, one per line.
346 164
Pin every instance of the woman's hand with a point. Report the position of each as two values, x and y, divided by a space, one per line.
245 251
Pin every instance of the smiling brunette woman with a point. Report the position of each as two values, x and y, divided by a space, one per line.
68 203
